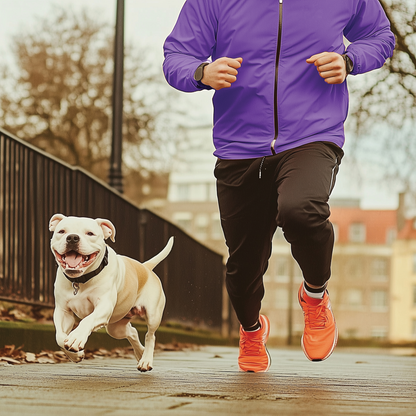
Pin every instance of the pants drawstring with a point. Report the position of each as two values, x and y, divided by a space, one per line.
261 165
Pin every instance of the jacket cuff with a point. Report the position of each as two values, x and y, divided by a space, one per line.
356 69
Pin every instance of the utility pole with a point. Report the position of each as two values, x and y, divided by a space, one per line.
115 174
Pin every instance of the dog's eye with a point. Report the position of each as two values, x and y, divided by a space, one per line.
90 233
61 232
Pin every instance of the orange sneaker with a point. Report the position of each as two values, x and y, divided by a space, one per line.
320 335
254 356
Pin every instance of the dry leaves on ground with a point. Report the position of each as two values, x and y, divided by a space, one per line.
10 355
24 313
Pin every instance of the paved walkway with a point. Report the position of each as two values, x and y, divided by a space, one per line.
207 382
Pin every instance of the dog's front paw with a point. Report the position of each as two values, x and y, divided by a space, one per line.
74 356
145 365
75 341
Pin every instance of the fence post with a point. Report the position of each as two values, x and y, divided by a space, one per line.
142 234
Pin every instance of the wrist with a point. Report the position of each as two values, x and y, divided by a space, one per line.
349 65
199 72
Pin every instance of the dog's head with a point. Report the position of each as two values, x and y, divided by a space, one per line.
78 244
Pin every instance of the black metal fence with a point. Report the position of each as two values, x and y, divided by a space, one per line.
34 186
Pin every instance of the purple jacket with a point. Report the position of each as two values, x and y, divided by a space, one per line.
277 95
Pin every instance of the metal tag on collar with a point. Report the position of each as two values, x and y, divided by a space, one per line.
75 287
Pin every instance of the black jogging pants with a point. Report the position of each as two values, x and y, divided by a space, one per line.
290 190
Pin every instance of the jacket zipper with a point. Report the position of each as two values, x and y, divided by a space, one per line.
279 45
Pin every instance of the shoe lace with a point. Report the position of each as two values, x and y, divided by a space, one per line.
316 316
251 345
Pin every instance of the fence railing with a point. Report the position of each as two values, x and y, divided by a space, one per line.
34 186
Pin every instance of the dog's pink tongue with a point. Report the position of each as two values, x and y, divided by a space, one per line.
73 258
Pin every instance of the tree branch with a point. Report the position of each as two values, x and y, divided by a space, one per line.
400 38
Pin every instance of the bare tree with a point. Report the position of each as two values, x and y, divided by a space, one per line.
60 97
383 108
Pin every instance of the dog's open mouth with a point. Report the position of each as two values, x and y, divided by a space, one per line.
74 260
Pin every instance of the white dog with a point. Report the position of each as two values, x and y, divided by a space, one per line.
102 288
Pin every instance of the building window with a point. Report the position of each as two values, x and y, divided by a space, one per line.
414 329
379 332
198 192
414 263
357 233
379 300
354 298
182 192
212 189
379 270
201 226
355 267
216 230
183 220
282 269
191 192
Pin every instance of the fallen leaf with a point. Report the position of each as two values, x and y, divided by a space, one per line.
46 360
9 360
30 357
8 349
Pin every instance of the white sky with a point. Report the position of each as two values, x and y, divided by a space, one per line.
148 22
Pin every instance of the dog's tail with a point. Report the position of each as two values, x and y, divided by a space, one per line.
154 261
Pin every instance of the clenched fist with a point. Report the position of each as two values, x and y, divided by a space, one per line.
331 67
221 73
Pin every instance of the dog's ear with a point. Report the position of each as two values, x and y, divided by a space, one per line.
55 220
108 229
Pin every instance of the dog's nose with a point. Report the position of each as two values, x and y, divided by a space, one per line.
72 238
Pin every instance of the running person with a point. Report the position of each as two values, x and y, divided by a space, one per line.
281 100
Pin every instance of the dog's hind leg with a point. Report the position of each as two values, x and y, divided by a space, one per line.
123 329
153 321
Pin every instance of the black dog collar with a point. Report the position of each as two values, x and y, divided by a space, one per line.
85 277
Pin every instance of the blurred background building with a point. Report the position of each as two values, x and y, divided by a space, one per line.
403 285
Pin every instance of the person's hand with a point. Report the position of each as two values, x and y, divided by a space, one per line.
221 73
331 66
